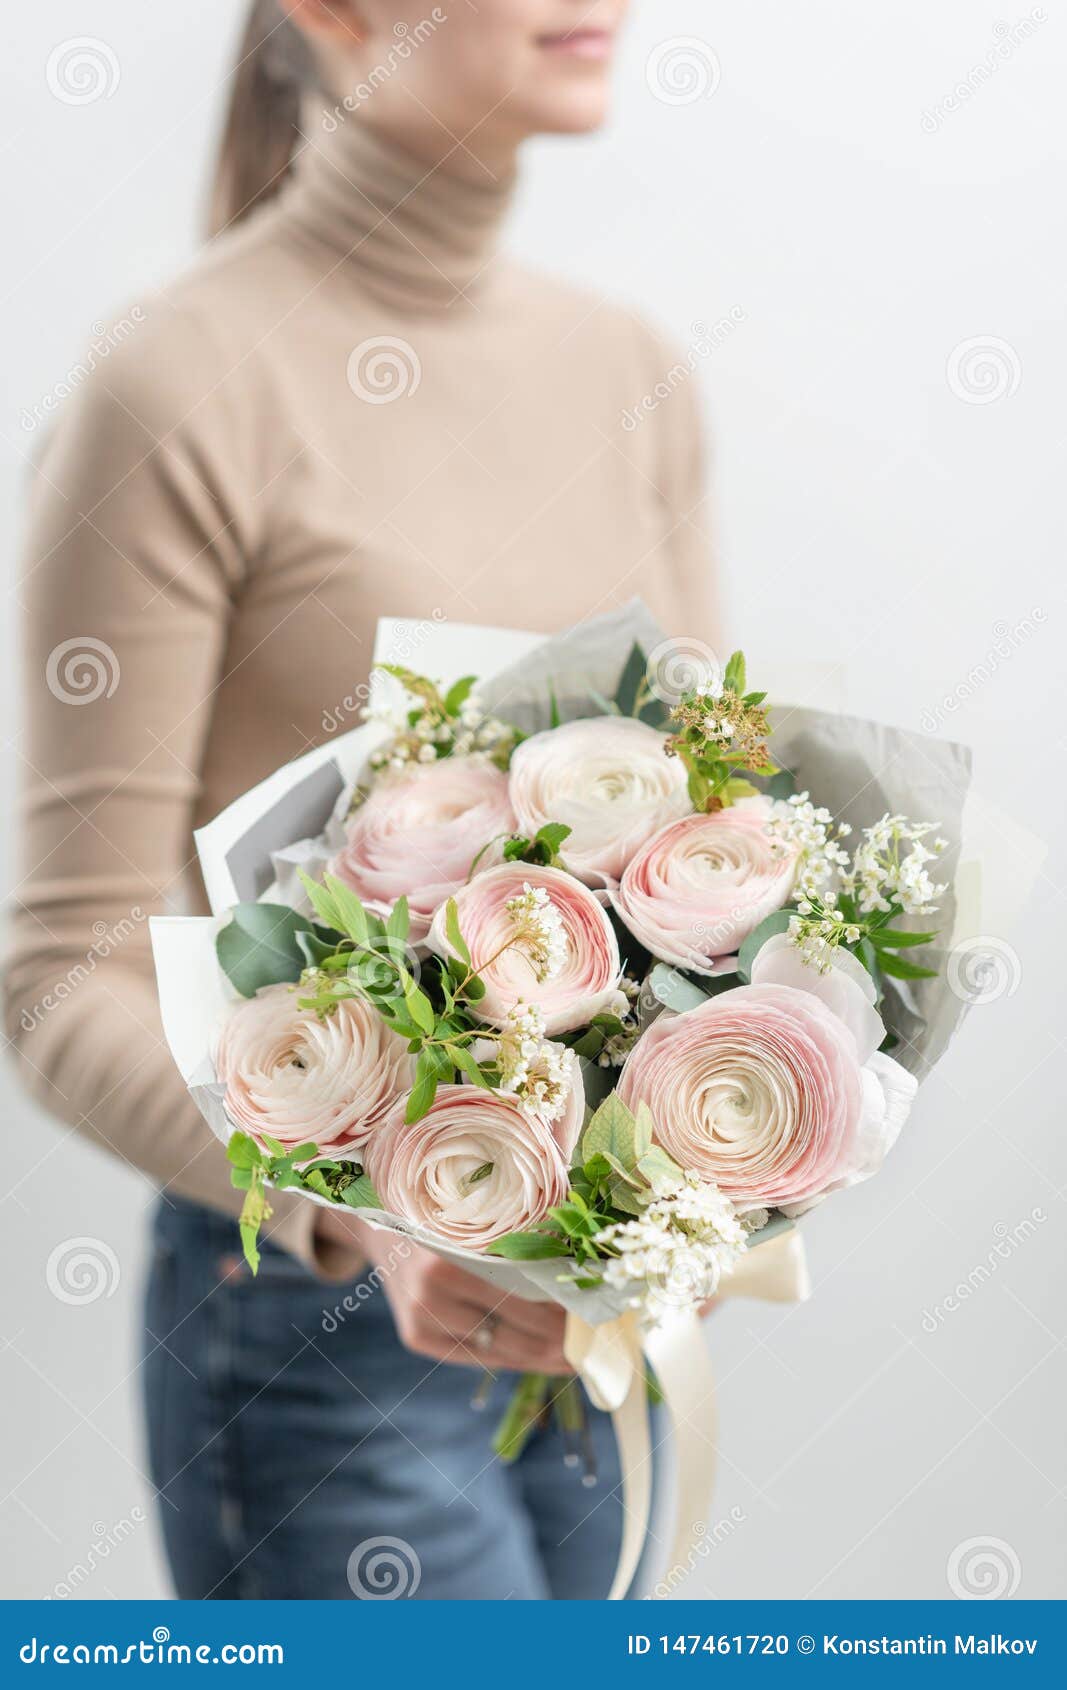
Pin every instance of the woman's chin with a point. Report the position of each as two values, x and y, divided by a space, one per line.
575 112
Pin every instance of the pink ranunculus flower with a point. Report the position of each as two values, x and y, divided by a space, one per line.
329 1081
609 779
775 1091
700 886
474 1168
569 930
418 834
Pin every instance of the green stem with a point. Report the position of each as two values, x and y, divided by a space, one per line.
521 1416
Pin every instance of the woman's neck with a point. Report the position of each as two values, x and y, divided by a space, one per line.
418 221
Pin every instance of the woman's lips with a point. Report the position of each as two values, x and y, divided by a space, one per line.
579 43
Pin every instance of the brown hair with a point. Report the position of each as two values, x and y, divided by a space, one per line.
259 136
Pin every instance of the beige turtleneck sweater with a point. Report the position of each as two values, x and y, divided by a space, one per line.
220 518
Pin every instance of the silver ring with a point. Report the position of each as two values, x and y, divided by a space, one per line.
485 1331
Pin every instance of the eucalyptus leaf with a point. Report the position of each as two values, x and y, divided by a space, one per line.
259 947
633 673
674 989
772 924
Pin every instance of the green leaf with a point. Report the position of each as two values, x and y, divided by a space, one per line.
867 954
611 1132
319 946
734 677
243 1151
458 693
746 956
424 1090
418 1004
643 1125
898 969
399 923
452 929
321 901
781 785
462 1058
259 947
527 1247
302 1153
552 834
657 1164
895 938
254 1211
360 1194
553 707
630 680
352 917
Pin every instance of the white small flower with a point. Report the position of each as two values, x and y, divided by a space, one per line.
674 1253
536 1072
539 931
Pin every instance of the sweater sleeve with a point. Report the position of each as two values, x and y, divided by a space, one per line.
684 480
142 521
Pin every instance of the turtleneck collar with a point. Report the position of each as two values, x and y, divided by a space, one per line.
421 237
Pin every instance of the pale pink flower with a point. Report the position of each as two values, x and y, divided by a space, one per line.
329 1081
584 966
700 886
774 1091
608 779
474 1168
418 834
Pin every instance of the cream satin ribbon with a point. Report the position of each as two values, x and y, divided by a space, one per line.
610 1361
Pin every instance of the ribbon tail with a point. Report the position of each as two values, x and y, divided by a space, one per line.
683 1369
632 1430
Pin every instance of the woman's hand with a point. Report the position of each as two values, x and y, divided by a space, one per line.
441 1311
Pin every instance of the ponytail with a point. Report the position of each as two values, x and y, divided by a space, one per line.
274 65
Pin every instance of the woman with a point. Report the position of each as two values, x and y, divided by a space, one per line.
351 406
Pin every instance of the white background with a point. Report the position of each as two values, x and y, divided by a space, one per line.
880 526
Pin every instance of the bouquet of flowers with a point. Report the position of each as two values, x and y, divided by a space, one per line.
586 977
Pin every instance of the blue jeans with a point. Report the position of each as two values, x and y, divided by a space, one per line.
301 1451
